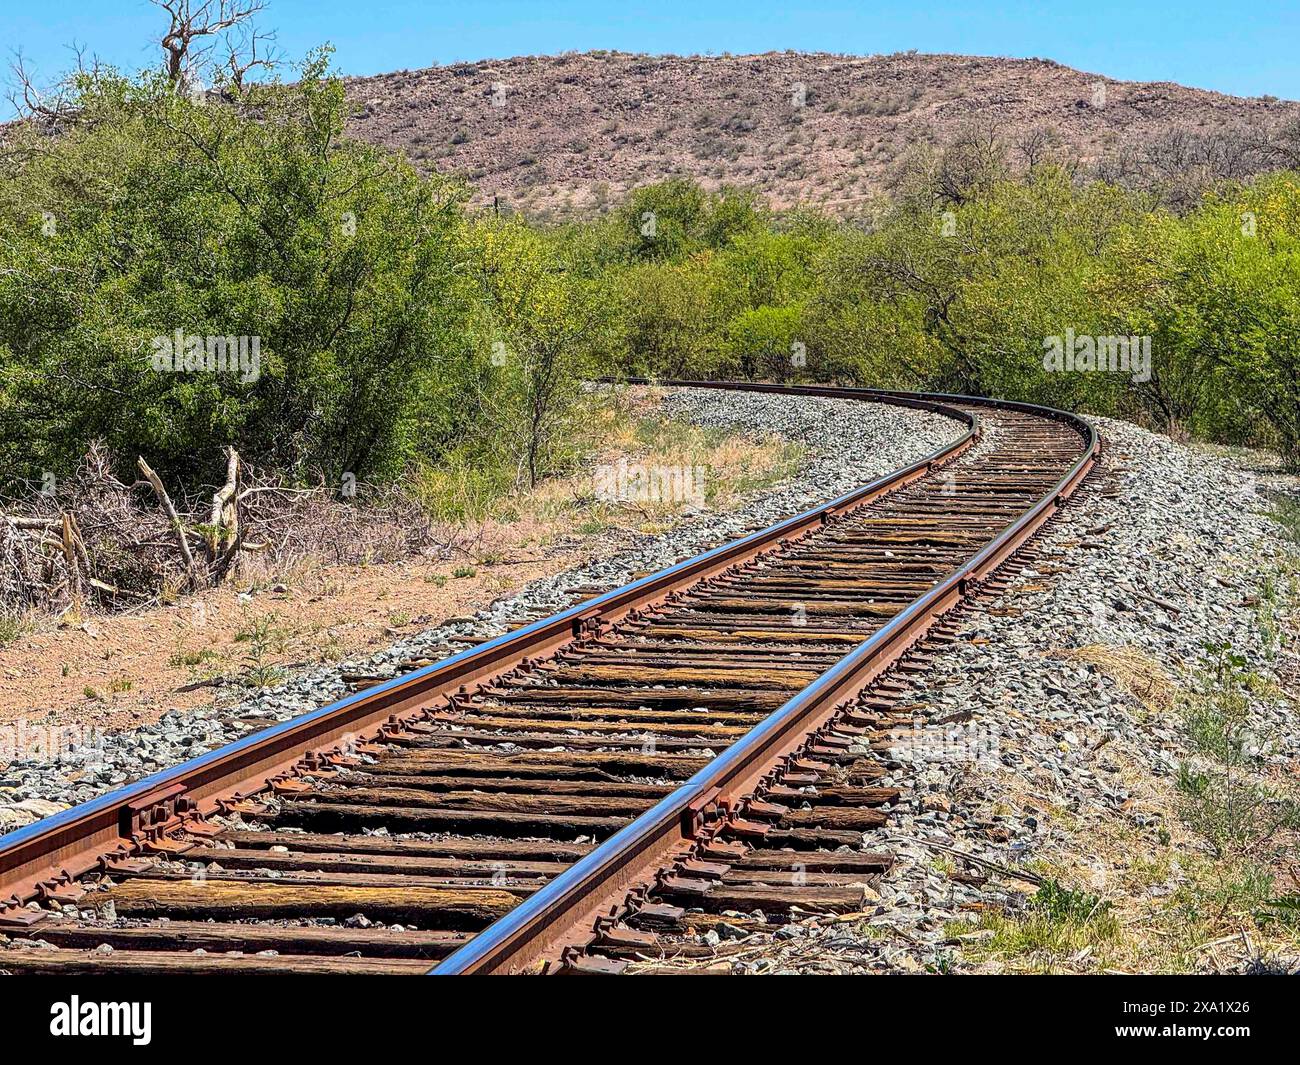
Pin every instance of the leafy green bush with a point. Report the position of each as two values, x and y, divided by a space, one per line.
1060 903
967 293
156 217
393 331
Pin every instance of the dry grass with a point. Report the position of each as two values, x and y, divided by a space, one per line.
1175 902
1135 671
296 608
1164 910
725 467
98 544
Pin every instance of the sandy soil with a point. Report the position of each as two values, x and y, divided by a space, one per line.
111 672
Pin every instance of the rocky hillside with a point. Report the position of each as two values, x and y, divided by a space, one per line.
570 133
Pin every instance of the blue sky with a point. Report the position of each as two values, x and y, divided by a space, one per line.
1247 50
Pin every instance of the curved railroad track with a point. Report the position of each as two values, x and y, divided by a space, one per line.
559 798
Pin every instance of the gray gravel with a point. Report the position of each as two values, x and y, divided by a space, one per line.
1169 564
846 445
1187 532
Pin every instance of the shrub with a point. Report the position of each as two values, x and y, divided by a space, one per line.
155 216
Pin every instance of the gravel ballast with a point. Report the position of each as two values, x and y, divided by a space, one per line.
1058 757
1162 554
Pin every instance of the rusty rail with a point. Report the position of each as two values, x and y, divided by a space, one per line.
37 860
562 915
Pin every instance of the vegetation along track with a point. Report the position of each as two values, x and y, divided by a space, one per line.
556 798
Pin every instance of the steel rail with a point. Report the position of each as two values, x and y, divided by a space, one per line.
55 851
562 914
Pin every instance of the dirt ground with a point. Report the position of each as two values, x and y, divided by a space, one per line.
113 672
117 671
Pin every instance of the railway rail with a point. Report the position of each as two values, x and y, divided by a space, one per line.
567 796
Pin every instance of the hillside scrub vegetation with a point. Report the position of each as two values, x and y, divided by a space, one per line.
562 136
182 274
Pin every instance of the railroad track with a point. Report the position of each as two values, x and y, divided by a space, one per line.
576 793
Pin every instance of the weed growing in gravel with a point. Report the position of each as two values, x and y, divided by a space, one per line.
943 864
1285 511
1066 904
1270 609
1245 813
1276 605
1227 797
1285 910
265 636
1060 924
263 675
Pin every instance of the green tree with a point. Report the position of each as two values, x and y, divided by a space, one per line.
765 343
156 215
1236 301
666 322
675 219
540 324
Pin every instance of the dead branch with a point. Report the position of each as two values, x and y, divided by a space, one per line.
30 523
49 107
248 50
170 510
70 556
223 529
193 26
120 547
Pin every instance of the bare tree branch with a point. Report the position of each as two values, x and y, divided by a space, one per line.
193 29
249 49
52 106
